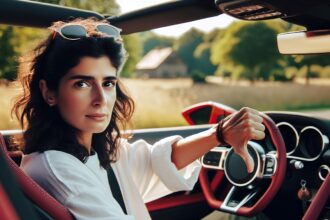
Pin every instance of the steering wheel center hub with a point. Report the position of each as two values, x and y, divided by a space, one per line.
235 168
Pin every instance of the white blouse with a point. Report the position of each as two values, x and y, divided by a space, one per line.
144 173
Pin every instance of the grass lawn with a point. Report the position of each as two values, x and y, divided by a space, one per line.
159 102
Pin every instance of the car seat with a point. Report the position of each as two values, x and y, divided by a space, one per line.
13 203
46 206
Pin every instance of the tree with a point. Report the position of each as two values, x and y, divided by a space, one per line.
151 40
309 60
212 35
15 41
8 56
247 45
134 49
202 55
186 46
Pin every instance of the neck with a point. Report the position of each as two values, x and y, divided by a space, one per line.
86 141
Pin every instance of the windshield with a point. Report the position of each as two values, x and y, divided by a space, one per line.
218 59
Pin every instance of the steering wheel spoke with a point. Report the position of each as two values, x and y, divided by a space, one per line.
236 198
215 159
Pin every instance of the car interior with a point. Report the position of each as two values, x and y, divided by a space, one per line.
291 178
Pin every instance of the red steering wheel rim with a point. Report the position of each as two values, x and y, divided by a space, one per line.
276 180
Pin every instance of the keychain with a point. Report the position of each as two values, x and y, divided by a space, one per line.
304 194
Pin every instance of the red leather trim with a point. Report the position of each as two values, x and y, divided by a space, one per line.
205 184
34 192
7 211
217 180
173 201
319 201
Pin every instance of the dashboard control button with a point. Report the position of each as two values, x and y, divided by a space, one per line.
296 164
270 162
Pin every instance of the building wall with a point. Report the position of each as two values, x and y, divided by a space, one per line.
169 70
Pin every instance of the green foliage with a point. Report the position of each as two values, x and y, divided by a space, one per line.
300 61
212 35
8 60
15 41
250 45
202 55
281 76
186 45
134 48
198 77
151 40
324 72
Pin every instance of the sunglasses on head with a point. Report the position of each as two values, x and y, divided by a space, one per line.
77 31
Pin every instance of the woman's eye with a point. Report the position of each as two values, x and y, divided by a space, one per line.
81 84
109 84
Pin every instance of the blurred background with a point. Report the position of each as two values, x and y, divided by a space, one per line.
219 59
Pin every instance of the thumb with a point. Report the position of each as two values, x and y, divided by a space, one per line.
248 160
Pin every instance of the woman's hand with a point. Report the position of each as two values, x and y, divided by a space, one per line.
239 128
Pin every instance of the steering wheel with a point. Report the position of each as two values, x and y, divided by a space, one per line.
245 196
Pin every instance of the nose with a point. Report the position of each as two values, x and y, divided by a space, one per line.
99 96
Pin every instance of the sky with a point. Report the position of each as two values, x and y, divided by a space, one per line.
205 25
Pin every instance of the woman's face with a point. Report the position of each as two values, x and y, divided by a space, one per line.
87 94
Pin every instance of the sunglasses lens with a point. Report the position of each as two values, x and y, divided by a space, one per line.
73 31
108 30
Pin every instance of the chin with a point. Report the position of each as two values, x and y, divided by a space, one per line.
99 129
96 128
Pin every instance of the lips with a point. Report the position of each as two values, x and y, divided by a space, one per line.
97 116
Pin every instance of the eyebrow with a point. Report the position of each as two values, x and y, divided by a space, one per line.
91 77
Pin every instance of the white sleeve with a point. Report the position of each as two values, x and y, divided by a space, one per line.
153 171
71 183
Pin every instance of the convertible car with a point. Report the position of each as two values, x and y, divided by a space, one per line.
291 178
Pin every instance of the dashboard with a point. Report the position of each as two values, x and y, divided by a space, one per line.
308 158
307 144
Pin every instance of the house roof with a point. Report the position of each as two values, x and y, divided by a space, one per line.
154 58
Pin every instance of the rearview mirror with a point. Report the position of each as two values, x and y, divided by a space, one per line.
304 42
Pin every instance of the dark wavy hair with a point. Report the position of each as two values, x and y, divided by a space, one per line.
50 61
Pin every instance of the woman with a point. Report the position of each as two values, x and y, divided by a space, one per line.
72 108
